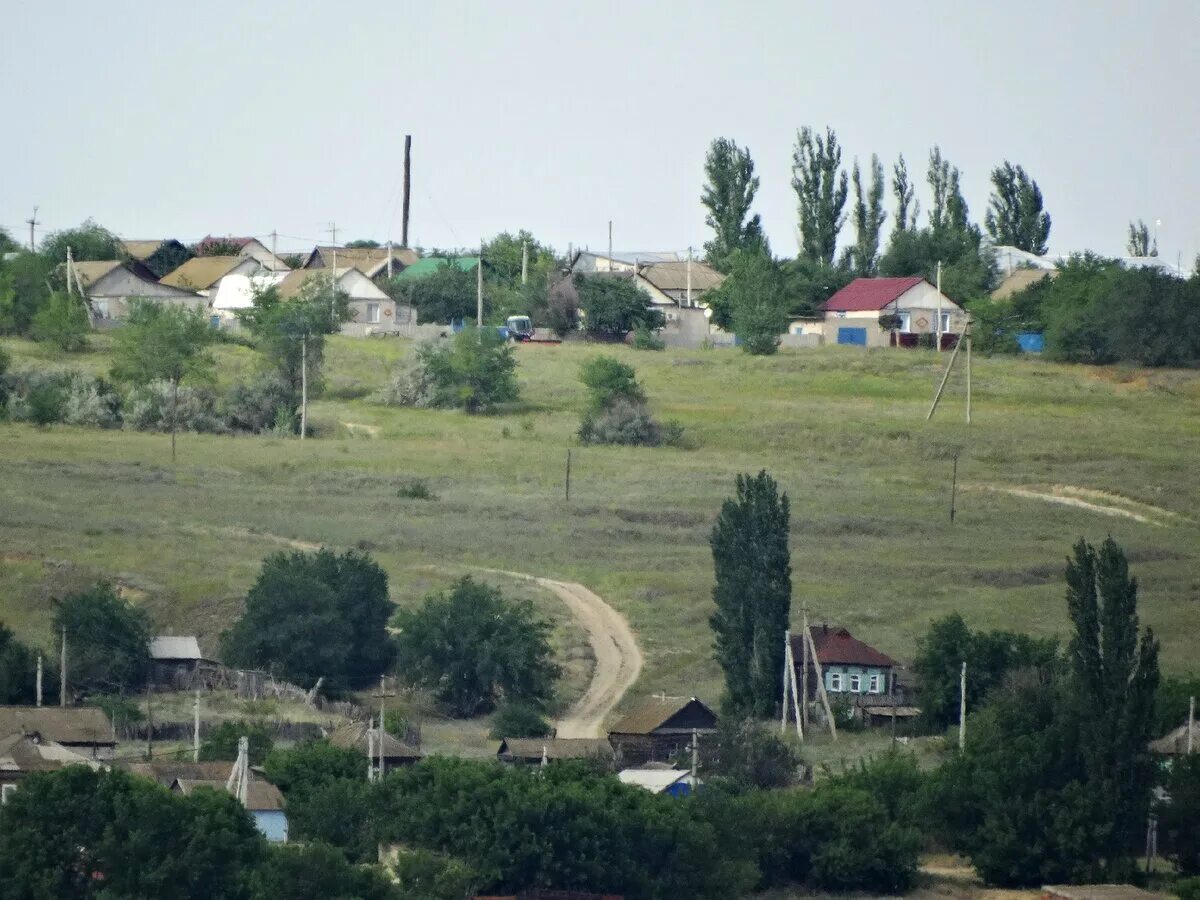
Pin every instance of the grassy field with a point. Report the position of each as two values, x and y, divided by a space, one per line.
843 430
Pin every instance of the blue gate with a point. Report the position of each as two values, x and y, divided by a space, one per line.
856 336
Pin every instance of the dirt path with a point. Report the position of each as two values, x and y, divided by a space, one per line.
1089 499
618 658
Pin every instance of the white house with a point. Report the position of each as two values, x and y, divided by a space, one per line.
202 274
853 314
236 292
372 311
109 286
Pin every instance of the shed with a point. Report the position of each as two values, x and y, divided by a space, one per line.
176 660
675 782
395 751
659 727
533 750
86 730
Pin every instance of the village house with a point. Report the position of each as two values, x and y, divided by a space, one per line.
237 292
263 801
110 286
202 274
354 736
84 730
177 662
247 247
856 314
371 261
589 263
22 755
658 728
158 256
534 750
371 310
869 681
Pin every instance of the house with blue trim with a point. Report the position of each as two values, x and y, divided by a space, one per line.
848 666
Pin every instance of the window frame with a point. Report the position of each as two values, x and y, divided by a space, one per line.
374 320
855 683
835 682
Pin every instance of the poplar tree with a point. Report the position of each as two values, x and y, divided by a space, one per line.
1139 242
868 219
949 211
752 593
728 194
821 189
1015 215
908 207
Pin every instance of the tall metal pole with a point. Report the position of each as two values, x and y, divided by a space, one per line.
962 707
479 289
939 306
32 220
407 186
689 278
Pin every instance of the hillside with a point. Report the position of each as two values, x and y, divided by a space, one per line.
843 431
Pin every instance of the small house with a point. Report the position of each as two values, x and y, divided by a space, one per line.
660 780
85 730
236 292
678 284
110 286
177 661
249 247
158 256
202 274
659 727
371 310
881 312
848 665
534 750
589 263
355 737
24 754
374 262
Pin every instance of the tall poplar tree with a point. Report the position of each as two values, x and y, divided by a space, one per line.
1139 242
821 189
949 211
908 207
753 593
1015 215
727 195
868 217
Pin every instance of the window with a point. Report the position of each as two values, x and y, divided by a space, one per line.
905 323
856 684
835 682
875 688
373 313
5 790
945 322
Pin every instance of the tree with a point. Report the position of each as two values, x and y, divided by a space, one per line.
108 641
448 294
18 670
168 257
1140 243
316 872
475 370
752 593
868 219
1177 817
821 190
751 756
607 379
161 342
215 246
519 720
502 257
24 289
62 321
89 241
312 764
221 742
363 244
908 208
990 656
1015 216
613 306
754 296
949 209
7 244
472 647
728 194
1114 675
313 615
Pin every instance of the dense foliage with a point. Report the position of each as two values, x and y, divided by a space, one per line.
88 241
519 720
728 193
62 321
616 411
1179 816
108 641
221 741
613 306
449 294
313 615
315 871
751 755
18 670
821 190
473 647
752 302
753 593
474 371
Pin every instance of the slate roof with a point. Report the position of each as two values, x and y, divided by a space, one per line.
92 271
63 725
836 646
141 249
354 737
202 272
368 259
870 294
1019 280
167 647
556 748
672 276
22 753
652 713
261 796
654 780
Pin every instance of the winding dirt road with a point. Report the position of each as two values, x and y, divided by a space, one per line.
618 658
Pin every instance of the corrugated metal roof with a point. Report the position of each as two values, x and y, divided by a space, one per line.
423 268
169 647
654 780
202 272
90 272
838 647
868 294
65 725
651 713
368 259
141 249
555 748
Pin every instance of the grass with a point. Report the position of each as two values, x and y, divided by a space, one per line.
843 430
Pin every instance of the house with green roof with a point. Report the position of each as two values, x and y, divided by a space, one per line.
426 266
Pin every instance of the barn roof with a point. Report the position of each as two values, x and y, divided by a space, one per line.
62 724
653 713
836 646
24 753
870 294
169 647
673 276
202 272
1174 743
555 748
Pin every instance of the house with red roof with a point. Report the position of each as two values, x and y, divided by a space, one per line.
847 664
882 312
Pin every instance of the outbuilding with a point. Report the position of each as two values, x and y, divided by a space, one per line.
659 727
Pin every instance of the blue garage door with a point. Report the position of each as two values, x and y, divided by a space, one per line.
853 336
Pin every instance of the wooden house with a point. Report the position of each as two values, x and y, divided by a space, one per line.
395 751
85 730
22 755
659 728
534 750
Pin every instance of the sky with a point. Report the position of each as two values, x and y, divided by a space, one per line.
184 119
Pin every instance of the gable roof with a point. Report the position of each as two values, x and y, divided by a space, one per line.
555 748
141 250
1020 279
1174 743
654 712
836 646
202 272
654 780
426 266
295 280
354 737
91 272
170 647
61 724
371 260
673 276
870 294
210 239
261 796
24 753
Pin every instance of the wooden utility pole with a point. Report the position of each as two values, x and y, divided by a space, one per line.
962 707
783 707
695 758
689 278
62 670
303 385
370 749
968 381
70 272
31 222
790 662
610 256
938 329
953 487
479 288
196 729
1191 740
389 259
812 648
274 243
149 724
568 485
524 262
946 374
804 673
407 187
333 230
39 680
382 738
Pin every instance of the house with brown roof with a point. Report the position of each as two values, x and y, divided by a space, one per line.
202 274
22 755
659 727
109 287
372 311
371 261
158 256
85 730
354 736
881 312
245 246
534 750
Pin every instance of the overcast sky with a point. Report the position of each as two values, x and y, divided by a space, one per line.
181 119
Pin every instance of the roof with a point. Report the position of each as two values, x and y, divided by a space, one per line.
836 646
364 258
261 796
555 748
900 712
653 713
164 647
354 737
202 272
166 771
673 276
24 753
629 257
654 780
91 272
237 291
1020 279
292 283
870 294
1100 892
423 268
210 239
141 249
1174 743
63 724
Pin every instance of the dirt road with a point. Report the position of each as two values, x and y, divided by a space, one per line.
618 659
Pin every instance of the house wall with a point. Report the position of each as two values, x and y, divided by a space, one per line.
272 823
921 302
843 673
111 294
259 252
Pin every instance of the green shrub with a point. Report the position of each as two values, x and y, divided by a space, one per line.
474 371
148 408
752 756
415 489
1187 889
607 380
62 321
90 402
519 720
263 405
43 402
645 339
629 423
221 742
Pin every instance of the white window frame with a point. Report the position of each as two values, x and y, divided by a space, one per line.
905 321
945 322
874 685
856 684
5 790
835 682
373 319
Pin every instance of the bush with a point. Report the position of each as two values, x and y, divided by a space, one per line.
62 321
108 641
221 743
474 371
645 339
71 397
472 647
519 720
1180 818
608 379
266 404
121 711
18 670
38 398
613 306
415 489
1187 889
316 872
148 408
752 756
90 402
423 875
625 422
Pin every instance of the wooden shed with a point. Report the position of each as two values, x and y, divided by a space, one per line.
659 727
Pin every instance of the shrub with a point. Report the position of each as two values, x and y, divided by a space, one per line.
90 402
416 489
752 756
474 371
315 871
424 875
221 742
71 397
62 321
608 379
645 339
614 306
148 408
626 422
42 403
5 362
1187 889
121 711
519 720
18 670
1180 818
265 404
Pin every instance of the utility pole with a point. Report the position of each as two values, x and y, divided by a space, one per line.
568 485
962 708
274 243
1191 741
62 670
196 729
407 185
524 262
610 257
70 270
695 757
968 381
39 680
789 684
303 385
382 737
332 229
149 724
939 306
689 278
389 259
946 374
804 671
824 694
370 750
953 487
32 221
479 288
